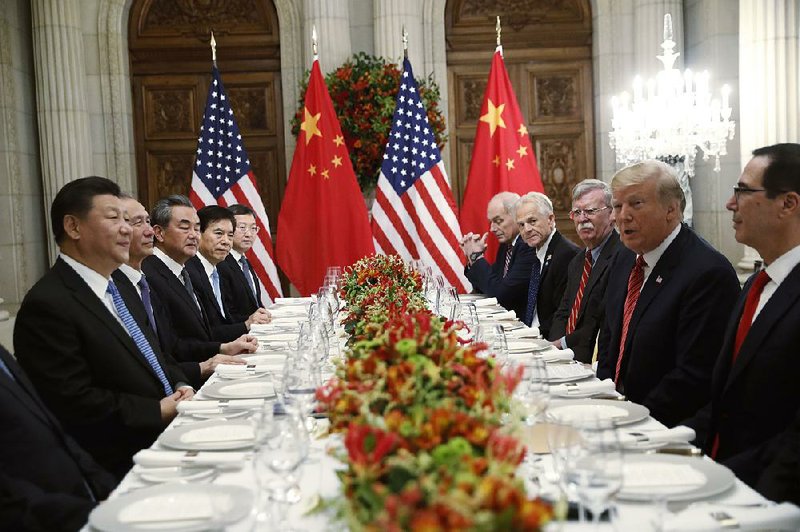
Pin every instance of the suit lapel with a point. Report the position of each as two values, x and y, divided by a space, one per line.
779 304
202 287
23 390
177 287
548 257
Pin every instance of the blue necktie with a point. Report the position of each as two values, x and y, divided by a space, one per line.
137 335
533 290
4 368
217 291
248 275
148 305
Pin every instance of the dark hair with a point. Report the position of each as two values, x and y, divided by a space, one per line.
213 213
238 209
161 214
76 199
783 172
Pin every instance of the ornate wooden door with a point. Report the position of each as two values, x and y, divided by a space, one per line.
170 60
548 55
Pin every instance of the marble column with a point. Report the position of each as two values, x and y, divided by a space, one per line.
769 61
390 16
332 20
60 96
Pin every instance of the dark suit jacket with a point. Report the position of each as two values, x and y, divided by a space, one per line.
44 474
780 479
553 279
224 328
590 315
193 341
676 329
511 291
236 291
161 334
755 401
88 370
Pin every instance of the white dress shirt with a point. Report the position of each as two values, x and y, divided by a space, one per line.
97 284
134 276
652 257
210 269
778 271
541 254
237 257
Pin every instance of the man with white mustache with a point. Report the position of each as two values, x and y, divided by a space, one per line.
578 318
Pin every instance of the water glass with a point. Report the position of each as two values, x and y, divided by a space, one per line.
468 313
534 391
494 336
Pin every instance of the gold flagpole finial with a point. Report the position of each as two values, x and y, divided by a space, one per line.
213 49
497 29
405 42
314 41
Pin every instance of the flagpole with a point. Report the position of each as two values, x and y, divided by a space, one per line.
405 42
314 42
213 50
497 29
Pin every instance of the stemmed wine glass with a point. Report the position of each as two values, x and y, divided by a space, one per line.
494 336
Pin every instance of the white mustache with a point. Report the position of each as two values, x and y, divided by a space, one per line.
585 225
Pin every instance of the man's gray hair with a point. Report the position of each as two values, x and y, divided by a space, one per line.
508 199
588 185
668 188
543 204
161 214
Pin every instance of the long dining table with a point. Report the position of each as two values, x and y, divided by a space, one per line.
234 471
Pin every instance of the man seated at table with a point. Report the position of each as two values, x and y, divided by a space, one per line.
217 226
754 395
507 278
578 318
47 482
177 234
111 389
667 300
240 284
533 213
145 307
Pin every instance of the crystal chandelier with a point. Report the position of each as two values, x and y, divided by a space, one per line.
671 116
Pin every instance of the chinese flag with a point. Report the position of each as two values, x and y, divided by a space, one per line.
502 156
323 219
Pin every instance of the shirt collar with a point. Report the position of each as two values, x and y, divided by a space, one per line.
541 253
131 273
207 266
597 249
783 265
652 257
97 283
236 255
175 267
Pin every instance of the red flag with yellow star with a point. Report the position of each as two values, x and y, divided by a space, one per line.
502 156
323 219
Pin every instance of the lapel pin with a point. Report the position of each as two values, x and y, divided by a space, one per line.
659 279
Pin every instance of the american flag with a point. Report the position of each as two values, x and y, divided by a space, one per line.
414 212
222 176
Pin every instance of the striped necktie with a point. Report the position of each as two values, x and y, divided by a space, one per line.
533 289
138 337
508 259
144 287
217 290
576 305
635 282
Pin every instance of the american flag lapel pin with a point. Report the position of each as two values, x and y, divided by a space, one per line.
659 279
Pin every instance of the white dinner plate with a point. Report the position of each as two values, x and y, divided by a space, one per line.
527 345
173 507
558 373
213 435
688 478
276 337
622 412
161 475
255 388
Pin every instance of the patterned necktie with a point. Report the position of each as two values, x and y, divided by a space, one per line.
533 290
248 275
576 305
217 291
508 259
144 287
635 281
138 337
187 284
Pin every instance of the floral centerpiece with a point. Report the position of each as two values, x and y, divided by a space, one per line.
421 413
364 90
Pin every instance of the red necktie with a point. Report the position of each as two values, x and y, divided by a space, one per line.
635 281
576 305
750 305
508 259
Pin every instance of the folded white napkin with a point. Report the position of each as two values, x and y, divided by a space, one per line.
785 516
583 388
223 460
219 434
681 433
523 332
486 302
506 315
555 355
660 477
292 301
189 407
231 371
168 507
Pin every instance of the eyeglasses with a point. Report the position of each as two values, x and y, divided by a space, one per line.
738 190
248 228
591 213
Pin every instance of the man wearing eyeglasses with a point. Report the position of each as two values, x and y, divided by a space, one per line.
506 279
578 318
240 280
754 396
667 300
